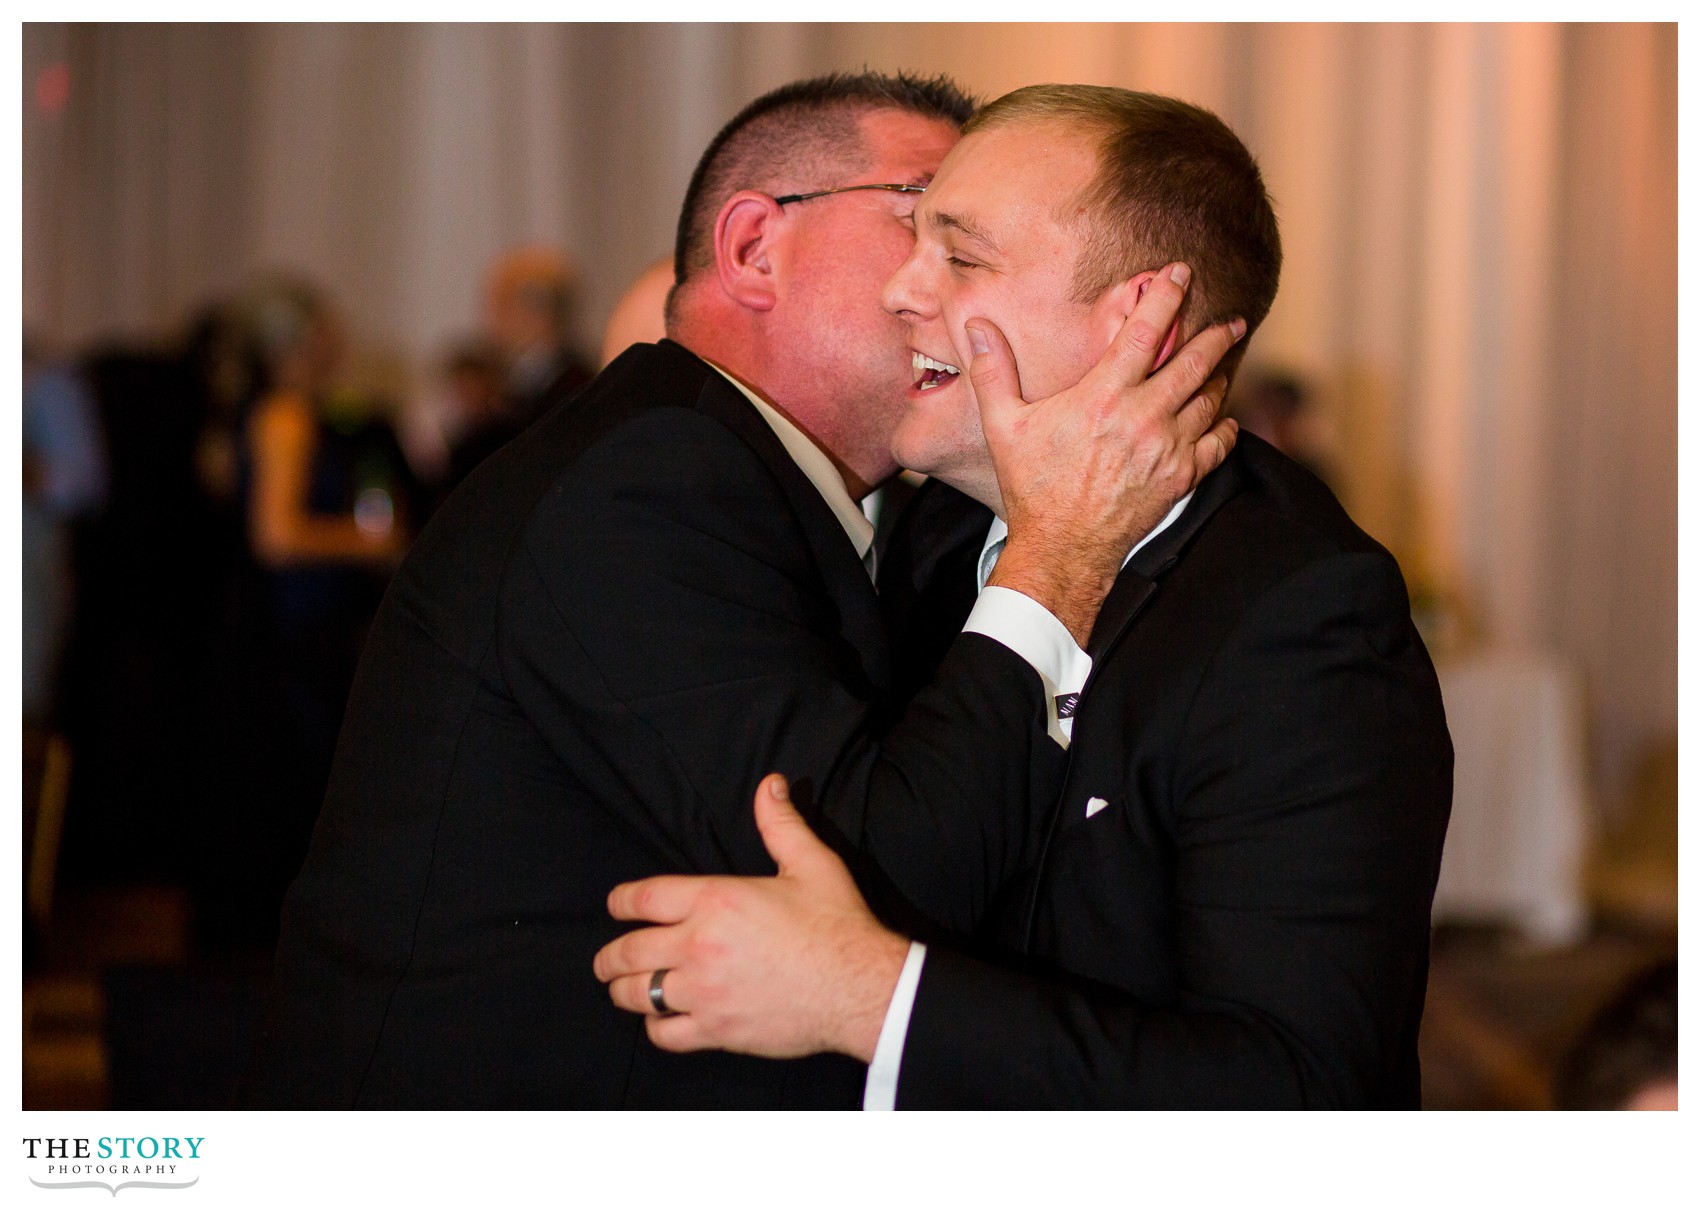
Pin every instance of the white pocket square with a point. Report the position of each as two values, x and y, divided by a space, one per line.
1096 804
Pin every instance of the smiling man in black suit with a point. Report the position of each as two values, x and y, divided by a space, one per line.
1229 907
661 591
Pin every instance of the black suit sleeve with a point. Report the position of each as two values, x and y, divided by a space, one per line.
1310 800
668 630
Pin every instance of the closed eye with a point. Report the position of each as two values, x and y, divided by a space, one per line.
960 264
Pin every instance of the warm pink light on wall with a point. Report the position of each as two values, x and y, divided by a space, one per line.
53 88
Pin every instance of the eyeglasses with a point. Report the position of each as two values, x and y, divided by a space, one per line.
846 189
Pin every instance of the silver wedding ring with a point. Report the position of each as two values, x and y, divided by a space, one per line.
657 999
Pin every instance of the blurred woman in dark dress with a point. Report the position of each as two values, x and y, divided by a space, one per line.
324 494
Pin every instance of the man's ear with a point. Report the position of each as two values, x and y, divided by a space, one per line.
1132 291
743 249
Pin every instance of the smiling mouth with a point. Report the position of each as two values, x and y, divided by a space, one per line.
930 373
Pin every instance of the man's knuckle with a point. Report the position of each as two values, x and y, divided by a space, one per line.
713 908
709 994
706 948
1144 334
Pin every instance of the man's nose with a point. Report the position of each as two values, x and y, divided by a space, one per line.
905 295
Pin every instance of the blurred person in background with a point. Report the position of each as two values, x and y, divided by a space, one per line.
496 385
224 367
144 588
475 418
64 477
641 313
530 307
324 495
1276 406
307 501
225 374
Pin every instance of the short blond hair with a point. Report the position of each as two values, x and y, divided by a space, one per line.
1174 183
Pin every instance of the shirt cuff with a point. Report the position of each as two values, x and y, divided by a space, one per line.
880 1092
1038 638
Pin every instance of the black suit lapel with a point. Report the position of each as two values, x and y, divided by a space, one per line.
927 579
841 569
1134 589
1126 599
940 530
1140 578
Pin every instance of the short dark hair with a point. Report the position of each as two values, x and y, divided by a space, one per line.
802 134
1174 183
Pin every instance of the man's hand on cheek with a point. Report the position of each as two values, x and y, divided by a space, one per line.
1086 473
781 966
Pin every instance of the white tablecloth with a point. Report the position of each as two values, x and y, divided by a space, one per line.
1520 807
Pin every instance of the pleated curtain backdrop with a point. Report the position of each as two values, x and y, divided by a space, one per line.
1480 225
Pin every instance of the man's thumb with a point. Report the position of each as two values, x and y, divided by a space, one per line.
992 370
786 835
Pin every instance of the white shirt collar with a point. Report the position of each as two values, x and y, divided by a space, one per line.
814 464
999 531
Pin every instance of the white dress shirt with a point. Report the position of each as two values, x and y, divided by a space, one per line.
1049 648
814 464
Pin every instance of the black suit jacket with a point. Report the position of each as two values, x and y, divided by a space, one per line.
1232 906
592 655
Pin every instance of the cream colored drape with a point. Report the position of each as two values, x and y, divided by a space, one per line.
1480 226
